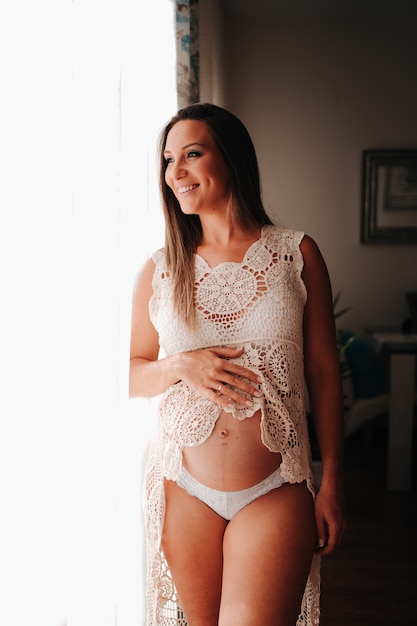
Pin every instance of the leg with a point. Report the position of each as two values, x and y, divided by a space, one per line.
192 542
268 548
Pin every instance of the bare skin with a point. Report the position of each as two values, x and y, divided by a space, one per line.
253 569
234 457
249 571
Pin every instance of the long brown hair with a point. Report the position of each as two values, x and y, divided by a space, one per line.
183 233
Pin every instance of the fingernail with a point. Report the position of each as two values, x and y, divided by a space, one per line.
249 403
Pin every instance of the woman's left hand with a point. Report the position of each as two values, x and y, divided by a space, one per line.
329 509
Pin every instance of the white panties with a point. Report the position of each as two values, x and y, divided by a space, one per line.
228 503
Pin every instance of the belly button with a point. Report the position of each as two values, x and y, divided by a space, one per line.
223 433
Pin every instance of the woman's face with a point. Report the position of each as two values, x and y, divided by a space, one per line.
196 171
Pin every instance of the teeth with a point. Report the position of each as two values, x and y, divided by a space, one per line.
187 188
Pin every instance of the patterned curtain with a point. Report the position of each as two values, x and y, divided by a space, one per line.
188 52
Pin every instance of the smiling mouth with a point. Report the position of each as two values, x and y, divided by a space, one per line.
186 188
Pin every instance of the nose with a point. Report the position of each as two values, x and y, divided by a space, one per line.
178 170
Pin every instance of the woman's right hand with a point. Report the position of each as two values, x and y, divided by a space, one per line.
209 371
213 373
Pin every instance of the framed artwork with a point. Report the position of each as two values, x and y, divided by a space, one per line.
389 196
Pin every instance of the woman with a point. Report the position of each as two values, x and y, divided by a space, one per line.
242 311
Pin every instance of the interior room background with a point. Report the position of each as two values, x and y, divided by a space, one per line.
315 88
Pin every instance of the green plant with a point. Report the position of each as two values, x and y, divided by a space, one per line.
338 314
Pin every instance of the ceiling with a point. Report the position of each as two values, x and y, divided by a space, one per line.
307 8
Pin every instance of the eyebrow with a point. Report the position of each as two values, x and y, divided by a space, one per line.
188 145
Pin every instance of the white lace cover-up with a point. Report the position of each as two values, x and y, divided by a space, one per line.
258 304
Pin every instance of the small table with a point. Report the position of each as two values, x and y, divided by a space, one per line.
402 350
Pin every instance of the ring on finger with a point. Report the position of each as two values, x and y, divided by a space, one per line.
219 388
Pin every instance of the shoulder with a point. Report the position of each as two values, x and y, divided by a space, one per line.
157 260
281 235
294 239
314 266
310 251
145 277
158 256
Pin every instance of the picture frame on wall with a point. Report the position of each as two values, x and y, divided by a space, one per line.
389 196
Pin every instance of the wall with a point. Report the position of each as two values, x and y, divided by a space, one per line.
314 93
211 51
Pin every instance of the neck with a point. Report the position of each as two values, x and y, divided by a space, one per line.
227 234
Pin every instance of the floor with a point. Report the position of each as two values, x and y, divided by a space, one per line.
371 580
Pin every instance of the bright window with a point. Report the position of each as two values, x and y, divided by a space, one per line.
86 87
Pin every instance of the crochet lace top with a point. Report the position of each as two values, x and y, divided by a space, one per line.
258 304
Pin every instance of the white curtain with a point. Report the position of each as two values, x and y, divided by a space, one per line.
86 87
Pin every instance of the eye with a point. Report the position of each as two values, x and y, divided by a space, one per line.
168 160
192 154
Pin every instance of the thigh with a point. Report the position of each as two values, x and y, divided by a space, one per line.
268 548
192 542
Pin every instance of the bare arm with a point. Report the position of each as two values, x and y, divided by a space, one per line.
323 376
148 375
203 370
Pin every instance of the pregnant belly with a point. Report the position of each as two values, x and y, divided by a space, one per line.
233 457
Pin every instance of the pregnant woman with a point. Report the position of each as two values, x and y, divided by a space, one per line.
232 321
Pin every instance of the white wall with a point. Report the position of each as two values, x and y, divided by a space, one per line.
314 93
